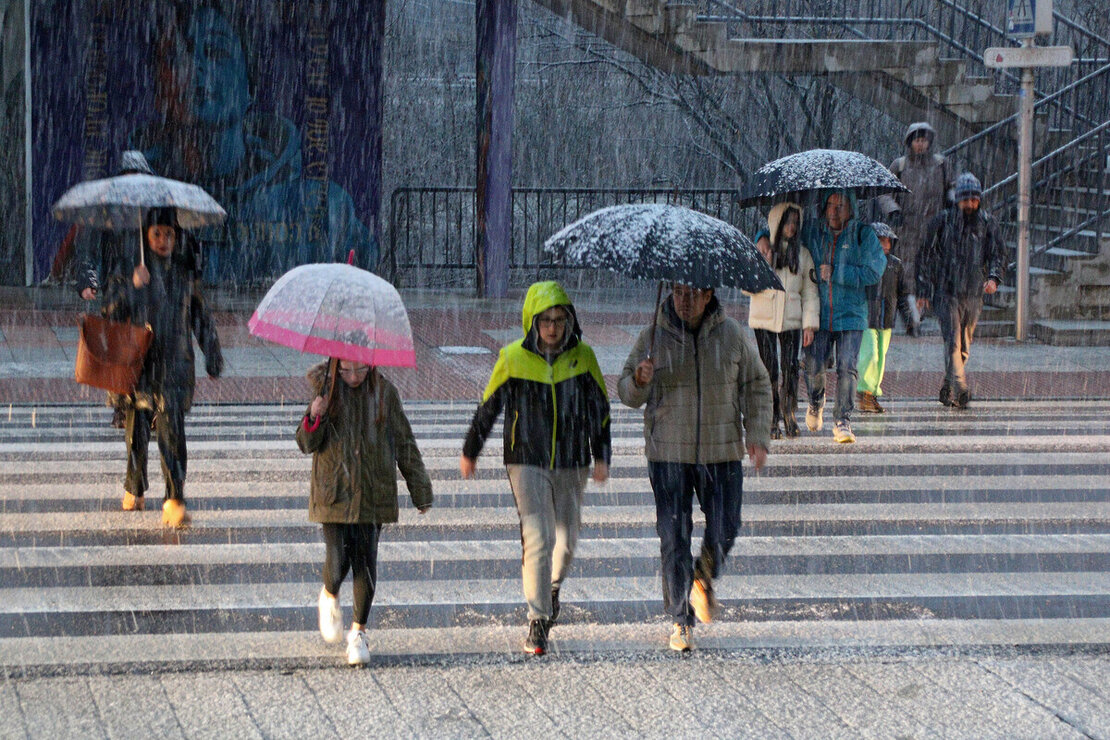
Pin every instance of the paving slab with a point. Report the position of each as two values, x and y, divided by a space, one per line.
209 705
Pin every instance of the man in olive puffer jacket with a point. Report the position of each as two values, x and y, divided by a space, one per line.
708 400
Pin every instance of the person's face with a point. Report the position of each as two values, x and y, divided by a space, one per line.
219 91
920 144
836 211
552 325
886 243
969 205
353 373
790 224
161 239
690 303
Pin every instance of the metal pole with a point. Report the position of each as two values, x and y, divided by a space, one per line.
1025 187
28 214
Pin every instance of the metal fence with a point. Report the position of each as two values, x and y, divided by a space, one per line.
432 230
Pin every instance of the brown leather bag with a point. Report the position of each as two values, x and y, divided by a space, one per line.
110 354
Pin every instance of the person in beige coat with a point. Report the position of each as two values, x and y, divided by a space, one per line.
784 318
708 401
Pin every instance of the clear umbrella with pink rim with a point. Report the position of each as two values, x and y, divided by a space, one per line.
339 311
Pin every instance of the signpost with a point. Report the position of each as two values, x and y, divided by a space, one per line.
1027 18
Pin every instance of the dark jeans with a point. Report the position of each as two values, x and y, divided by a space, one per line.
352 547
957 317
719 488
781 350
170 428
846 345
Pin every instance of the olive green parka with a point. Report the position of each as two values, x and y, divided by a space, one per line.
357 445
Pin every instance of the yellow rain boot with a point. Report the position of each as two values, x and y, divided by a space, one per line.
131 502
174 514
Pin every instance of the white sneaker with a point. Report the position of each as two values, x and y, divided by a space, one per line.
358 648
682 638
815 418
331 620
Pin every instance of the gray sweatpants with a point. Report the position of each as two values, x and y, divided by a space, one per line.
549 503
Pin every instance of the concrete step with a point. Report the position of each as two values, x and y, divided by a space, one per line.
805 56
987 112
1063 333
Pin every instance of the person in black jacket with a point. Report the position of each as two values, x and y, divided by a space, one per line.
960 260
164 292
556 420
883 300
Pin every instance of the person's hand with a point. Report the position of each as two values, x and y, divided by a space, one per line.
764 247
922 304
318 408
601 471
140 277
423 509
88 294
758 455
467 466
990 287
645 371
807 337
826 272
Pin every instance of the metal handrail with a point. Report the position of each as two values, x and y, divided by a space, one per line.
1055 153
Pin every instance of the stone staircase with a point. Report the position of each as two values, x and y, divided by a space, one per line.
937 76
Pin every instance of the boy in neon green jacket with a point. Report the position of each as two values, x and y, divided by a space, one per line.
556 422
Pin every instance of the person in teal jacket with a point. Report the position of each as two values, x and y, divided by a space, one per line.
848 258
556 421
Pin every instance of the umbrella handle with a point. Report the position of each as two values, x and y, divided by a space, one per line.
654 320
333 370
142 256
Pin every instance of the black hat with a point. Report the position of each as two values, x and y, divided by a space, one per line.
160 217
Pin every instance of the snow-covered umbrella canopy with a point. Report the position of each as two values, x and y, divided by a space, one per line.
118 203
793 177
662 242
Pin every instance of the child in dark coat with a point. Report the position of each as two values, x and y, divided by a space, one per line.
882 299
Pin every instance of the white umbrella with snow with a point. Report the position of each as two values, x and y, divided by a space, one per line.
793 177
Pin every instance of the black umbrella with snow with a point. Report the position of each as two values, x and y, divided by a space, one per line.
793 177
661 242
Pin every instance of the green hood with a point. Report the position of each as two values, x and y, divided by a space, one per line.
542 296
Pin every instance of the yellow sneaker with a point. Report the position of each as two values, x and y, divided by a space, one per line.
131 502
174 514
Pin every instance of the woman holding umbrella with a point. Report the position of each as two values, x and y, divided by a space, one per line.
162 292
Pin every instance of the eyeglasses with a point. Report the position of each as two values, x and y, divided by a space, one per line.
547 323
363 370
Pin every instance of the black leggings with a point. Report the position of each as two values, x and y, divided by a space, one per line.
352 547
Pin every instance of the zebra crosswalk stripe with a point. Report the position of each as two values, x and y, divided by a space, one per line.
990 527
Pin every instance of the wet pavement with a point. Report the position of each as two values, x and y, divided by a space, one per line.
457 338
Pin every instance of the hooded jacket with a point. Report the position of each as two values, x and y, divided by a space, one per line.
795 307
857 260
959 255
357 445
930 182
556 406
710 393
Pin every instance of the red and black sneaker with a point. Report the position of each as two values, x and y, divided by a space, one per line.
536 642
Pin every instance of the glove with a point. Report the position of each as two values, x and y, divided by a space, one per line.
214 364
